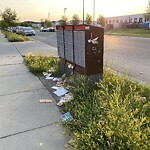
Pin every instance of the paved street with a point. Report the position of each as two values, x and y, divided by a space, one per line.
130 55
26 124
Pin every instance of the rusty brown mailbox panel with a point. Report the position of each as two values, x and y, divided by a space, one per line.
83 47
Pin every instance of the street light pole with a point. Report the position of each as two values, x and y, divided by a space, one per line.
93 12
83 11
48 16
64 11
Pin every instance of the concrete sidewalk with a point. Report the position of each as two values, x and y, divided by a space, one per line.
26 124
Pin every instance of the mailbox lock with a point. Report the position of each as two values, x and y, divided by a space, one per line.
94 48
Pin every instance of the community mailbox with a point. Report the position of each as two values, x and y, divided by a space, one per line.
82 46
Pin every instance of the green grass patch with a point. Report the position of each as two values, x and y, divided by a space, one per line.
38 63
111 116
13 37
129 32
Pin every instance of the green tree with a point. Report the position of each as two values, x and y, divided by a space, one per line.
147 14
101 20
88 19
48 23
75 19
63 20
9 17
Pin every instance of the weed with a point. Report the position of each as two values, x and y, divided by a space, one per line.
38 63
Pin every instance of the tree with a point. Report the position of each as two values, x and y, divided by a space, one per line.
48 23
101 20
63 20
9 17
147 14
75 19
88 19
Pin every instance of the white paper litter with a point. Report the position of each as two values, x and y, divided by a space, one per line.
49 78
68 97
55 87
56 79
45 73
60 91
51 70
45 101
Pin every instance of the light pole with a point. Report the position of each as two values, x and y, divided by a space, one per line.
65 10
48 16
83 11
93 12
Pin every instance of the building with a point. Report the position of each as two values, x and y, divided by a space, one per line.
126 21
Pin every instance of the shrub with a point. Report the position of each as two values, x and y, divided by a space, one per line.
38 63
13 37
114 115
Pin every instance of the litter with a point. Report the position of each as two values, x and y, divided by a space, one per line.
67 117
49 78
55 87
56 79
63 76
45 73
46 101
70 66
60 91
68 97
51 70
60 83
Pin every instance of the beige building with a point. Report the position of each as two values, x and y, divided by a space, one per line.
119 21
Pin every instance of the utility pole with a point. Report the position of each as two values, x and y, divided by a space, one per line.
64 11
93 12
83 11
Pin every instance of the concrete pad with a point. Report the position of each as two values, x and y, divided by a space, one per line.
8 60
48 138
23 111
35 47
19 83
9 54
13 69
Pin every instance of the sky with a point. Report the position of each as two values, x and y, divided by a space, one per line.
53 9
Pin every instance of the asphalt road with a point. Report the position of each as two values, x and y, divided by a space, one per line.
130 55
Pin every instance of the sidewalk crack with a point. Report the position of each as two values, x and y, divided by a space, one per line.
25 131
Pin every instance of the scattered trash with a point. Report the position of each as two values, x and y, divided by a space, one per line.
68 97
51 70
61 91
45 73
57 79
49 78
63 76
46 101
55 87
70 66
67 117
60 83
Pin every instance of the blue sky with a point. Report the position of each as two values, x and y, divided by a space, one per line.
38 9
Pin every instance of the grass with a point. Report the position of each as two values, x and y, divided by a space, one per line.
13 37
38 63
112 115
129 32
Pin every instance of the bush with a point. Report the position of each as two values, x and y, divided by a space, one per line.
38 63
114 115
13 37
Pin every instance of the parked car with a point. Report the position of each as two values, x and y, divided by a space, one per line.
19 29
28 31
50 29
13 29
43 29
